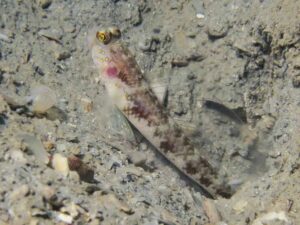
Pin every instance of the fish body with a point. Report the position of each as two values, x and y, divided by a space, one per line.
132 95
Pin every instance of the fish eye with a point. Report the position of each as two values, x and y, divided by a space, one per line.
103 36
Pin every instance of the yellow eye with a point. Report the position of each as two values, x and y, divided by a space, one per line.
103 36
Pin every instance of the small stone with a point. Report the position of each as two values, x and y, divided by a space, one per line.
44 3
167 216
179 62
61 55
25 57
69 28
85 173
73 176
17 156
296 81
217 29
196 57
35 221
5 38
200 16
61 147
297 62
240 206
52 34
54 113
138 158
87 104
71 209
268 121
60 163
114 201
145 44
95 222
74 150
47 192
7 67
211 211
149 44
49 145
64 218
272 218
41 98
274 154
19 192
3 105
174 5
91 189
135 17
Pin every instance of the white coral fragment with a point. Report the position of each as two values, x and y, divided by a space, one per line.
271 217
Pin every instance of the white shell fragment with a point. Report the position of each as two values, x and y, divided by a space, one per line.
42 98
64 218
159 89
200 16
60 164
271 217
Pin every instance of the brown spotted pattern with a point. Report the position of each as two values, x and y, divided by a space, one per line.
144 107
124 60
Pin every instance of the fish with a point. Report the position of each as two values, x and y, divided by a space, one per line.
130 92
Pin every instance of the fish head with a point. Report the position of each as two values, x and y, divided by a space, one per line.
100 43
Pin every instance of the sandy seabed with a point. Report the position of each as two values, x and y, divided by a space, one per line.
242 54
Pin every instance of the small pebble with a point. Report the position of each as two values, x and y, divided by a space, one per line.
87 104
200 16
113 200
60 163
61 147
19 192
268 122
138 158
297 62
5 38
179 62
17 156
85 173
64 218
44 3
271 218
217 29
42 98
52 35
61 55
49 145
95 222
149 44
211 211
296 81
74 150
71 209
135 16
3 104
69 28
47 192
239 207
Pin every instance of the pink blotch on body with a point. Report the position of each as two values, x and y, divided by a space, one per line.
112 71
